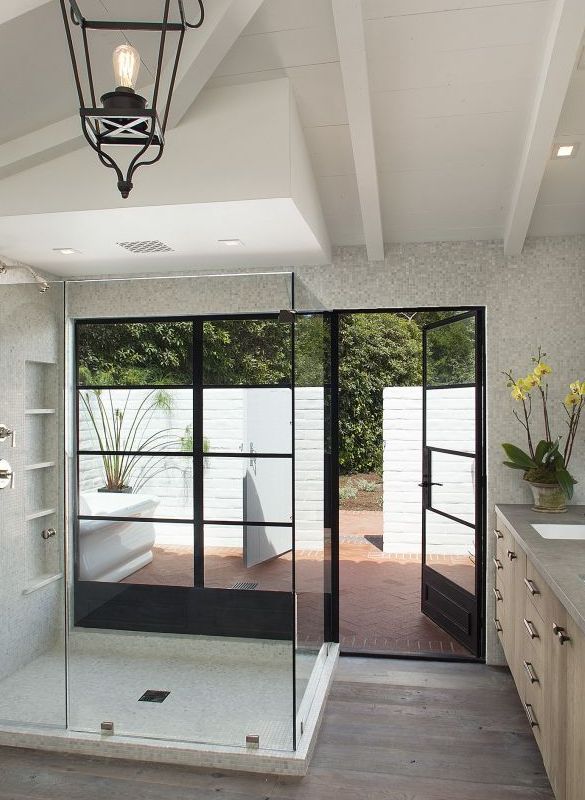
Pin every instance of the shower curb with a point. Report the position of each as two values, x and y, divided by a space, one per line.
274 762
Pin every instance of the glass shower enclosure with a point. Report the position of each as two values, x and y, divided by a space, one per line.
168 569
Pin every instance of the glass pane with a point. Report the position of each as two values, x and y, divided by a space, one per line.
453 489
146 486
135 353
256 489
312 520
218 690
246 352
146 553
450 550
32 645
247 420
136 419
451 353
451 418
248 557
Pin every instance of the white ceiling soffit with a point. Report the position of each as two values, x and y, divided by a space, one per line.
240 147
351 42
562 50
203 50
11 9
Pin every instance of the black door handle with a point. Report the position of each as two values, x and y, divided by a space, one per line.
426 483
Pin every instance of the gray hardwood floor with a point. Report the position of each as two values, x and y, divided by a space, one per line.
394 730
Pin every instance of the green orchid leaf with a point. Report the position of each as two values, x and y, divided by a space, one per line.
518 456
512 465
566 482
541 451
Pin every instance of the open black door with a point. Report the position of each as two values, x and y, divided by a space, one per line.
453 476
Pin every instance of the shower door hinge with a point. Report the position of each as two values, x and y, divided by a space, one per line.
253 741
107 727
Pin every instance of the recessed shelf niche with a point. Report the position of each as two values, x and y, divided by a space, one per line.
41 477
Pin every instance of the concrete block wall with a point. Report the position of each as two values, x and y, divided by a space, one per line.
226 430
451 425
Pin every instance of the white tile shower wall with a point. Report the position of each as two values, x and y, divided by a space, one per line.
532 299
450 424
31 329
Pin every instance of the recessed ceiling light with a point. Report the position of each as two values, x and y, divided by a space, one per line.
65 251
565 150
231 242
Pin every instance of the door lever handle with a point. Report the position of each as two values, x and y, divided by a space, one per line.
429 483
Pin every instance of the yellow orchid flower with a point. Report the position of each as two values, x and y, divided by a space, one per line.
531 381
577 388
572 399
542 369
518 393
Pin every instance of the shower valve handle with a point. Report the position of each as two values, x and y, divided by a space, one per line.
429 483
6 475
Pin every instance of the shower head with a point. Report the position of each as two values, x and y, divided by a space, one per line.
44 286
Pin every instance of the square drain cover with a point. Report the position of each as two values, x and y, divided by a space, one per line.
245 585
153 696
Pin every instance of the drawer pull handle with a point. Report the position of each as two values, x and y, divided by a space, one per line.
498 564
497 594
532 676
532 632
560 633
512 555
498 625
498 534
531 586
530 714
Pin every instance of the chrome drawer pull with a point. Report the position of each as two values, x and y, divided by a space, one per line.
530 714
531 586
497 593
498 625
532 632
498 534
497 563
560 633
511 555
530 672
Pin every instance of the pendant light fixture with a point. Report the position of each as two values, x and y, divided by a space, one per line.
127 125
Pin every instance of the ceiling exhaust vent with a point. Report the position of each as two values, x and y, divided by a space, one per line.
151 246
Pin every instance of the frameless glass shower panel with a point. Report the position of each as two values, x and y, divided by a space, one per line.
32 655
312 446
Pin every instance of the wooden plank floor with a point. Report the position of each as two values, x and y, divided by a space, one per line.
393 730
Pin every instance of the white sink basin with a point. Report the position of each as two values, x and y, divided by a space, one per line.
560 531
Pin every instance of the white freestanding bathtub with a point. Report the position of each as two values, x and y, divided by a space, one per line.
110 550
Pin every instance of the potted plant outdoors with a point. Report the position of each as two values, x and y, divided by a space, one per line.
123 435
546 464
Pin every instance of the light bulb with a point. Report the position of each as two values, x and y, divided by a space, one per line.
126 61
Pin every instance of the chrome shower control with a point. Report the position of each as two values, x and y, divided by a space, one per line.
5 432
48 533
6 475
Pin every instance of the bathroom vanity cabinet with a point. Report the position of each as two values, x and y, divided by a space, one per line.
544 645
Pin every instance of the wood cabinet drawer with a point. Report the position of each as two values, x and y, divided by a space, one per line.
534 708
532 633
536 588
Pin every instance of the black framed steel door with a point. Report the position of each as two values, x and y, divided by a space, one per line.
454 476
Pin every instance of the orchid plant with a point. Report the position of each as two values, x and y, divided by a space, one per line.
545 461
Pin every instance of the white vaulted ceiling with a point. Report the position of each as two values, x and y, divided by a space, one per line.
424 120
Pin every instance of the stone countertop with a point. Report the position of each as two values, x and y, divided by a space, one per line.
561 562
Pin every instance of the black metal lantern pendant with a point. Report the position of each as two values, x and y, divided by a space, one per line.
125 119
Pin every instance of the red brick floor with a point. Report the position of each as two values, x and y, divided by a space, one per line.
379 593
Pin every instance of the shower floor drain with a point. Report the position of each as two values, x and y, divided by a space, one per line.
153 696
244 585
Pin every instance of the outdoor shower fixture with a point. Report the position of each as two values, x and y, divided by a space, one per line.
4 267
125 118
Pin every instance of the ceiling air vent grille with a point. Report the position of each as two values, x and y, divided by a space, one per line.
151 246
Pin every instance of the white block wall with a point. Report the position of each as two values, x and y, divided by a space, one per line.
450 424
226 429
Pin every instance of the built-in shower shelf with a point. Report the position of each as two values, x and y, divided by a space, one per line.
39 465
37 411
42 581
42 512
